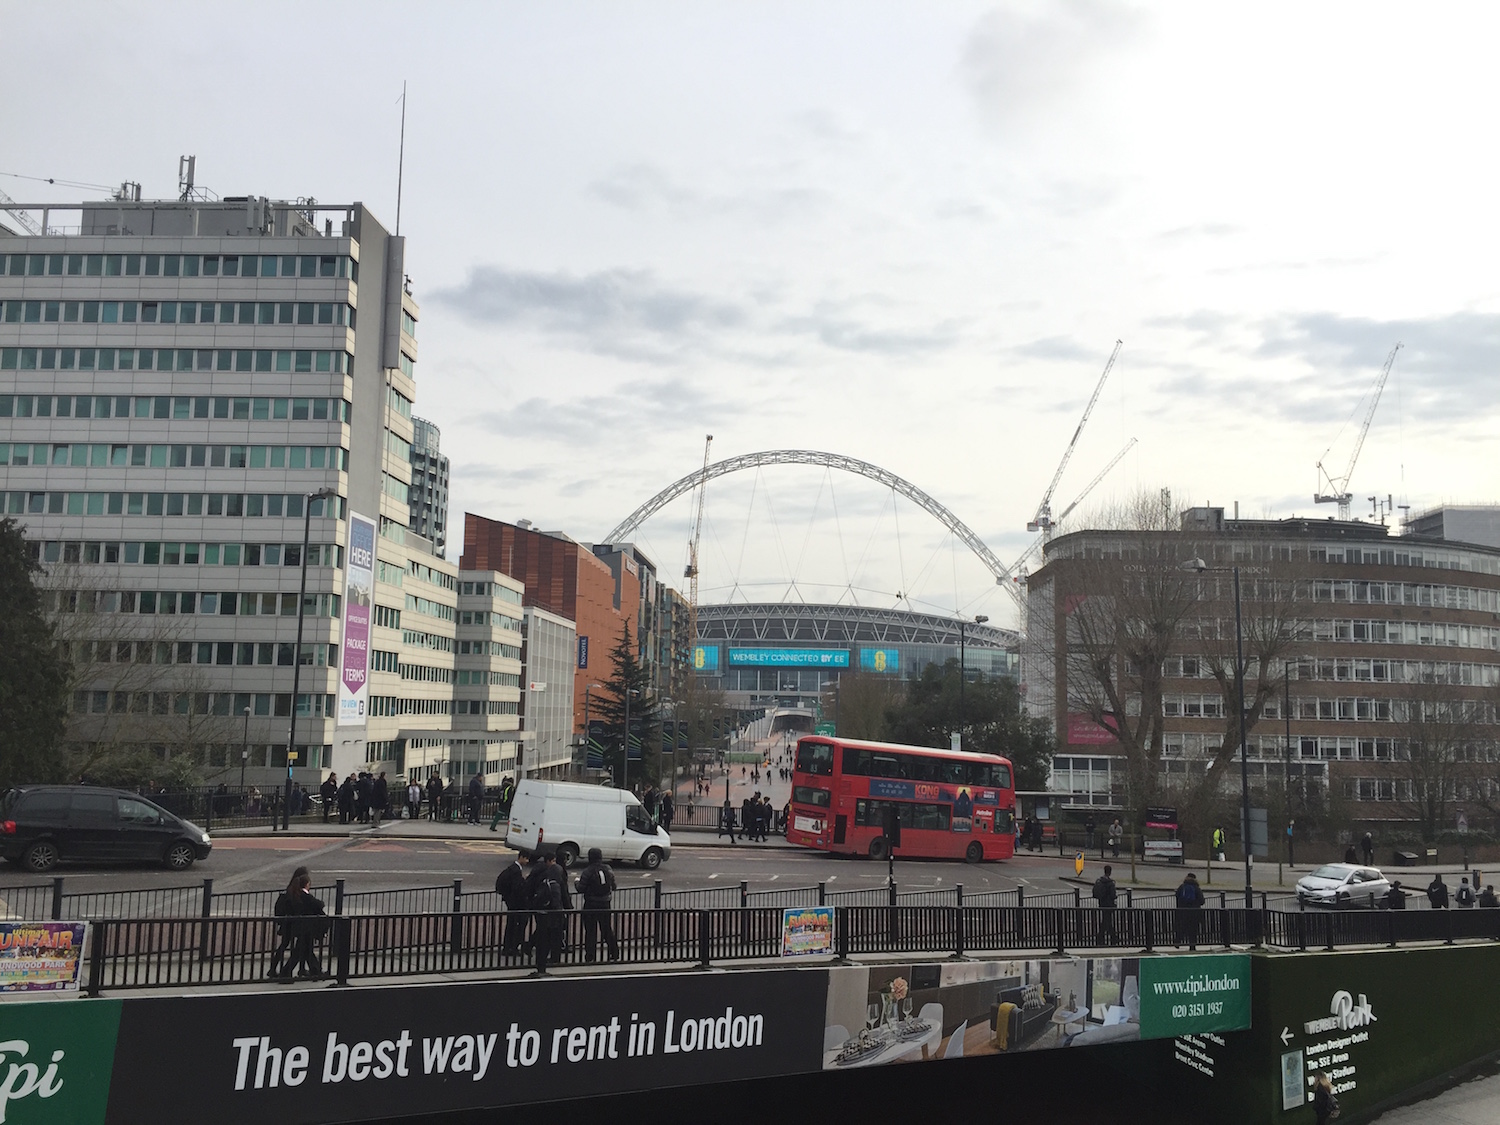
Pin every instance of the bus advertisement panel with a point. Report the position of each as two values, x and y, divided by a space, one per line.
950 805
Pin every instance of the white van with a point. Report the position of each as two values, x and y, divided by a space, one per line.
569 819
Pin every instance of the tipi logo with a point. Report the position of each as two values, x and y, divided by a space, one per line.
24 1078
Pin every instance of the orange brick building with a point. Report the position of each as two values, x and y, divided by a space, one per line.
563 577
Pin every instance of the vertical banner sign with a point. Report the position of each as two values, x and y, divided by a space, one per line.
354 680
583 652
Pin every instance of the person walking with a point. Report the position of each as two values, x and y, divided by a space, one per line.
1437 892
346 800
1325 1104
1367 845
305 924
476 795
380 796
283 910
1189 898
666 810
726 821
413 800
549 899
434 795
1217 841
1116 834
1106 895
510 885
1395 898
596 883
502 805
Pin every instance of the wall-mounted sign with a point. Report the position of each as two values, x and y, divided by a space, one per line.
583 652
359 595
705 658
790 657
880 659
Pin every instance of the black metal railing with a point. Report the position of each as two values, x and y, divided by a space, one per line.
139 953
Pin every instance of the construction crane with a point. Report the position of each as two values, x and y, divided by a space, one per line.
691 573
1338 489
1043 520
1018 568
8 205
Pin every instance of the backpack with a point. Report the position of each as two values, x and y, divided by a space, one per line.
1465 895
541 892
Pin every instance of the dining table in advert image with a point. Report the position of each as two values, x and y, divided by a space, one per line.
919 1041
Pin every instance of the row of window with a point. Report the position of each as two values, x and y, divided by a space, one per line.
485 707
478 677
494 620
265 704
149 553
250 504
173 359
177 408
491 589
180 265
429 608
430 574
1406 632
276 654
398 402
1399 671
387 618
1405 593
396 489
489 648
384 706
1405 789
172 602
179 312
100 455
1425 556
426 673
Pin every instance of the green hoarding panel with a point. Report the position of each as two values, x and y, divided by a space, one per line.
1190 995
58 1058
824 728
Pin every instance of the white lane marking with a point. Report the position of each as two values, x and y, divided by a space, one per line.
773 878
715 875
830 878
390 871
1022 881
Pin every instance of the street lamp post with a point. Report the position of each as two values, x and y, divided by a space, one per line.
963 625
291 738
244 752
1239 682
625 742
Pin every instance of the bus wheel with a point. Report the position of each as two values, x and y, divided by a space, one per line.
974 853
880 848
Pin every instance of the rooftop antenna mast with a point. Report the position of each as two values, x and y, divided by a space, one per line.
401 157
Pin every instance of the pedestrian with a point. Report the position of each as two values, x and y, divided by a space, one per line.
1116 834
1395 898
1189 901
329 791
666 810
298 797
380 796
510 885
549 901
1367 845
1217 842
1325 1104
726 821
1464 896
449 800
596 883
364 790
305 919
1105 895
413 800
1291 843
476 795
1487 899
346 800
434 795
283 910
1350 855
1088 833
768 811
1437 892
648 802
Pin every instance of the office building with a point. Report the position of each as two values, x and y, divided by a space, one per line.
548 653
429 485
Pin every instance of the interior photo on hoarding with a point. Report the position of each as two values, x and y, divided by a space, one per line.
916 1013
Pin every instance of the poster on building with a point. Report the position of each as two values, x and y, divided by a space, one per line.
359 597
880 659
40 956
879 1014
806 930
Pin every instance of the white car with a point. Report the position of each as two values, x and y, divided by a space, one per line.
1343 884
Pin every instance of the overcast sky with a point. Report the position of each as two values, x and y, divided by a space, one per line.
910 233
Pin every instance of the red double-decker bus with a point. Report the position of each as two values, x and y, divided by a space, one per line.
951 804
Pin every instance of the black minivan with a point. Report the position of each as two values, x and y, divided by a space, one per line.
41 825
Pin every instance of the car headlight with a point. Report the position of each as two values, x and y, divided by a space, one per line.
204 838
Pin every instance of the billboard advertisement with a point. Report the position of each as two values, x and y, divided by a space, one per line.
880 659
790 657
359 597
1084 731
40 956
705 658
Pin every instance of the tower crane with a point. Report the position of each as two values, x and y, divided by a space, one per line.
1338 489
1043 520
691 573
1018 568
8 205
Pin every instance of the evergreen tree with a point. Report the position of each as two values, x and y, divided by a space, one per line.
994 721
33 672
645 715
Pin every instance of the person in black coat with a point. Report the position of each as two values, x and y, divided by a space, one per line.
510 885
346 800
1437 893
476 795
596 883
284 933
380 796
364 789
302 927
434 796
549 899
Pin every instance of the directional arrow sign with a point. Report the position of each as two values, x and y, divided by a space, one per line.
1286 1036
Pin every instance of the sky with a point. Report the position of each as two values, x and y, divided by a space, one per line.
908 233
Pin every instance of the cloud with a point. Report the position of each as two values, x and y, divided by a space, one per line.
1197 231
1016 62
619 312
646 187
1057 347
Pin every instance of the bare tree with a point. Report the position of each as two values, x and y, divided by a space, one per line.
861 703
1440 752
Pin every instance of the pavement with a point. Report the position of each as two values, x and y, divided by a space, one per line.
1474 1101
439 830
